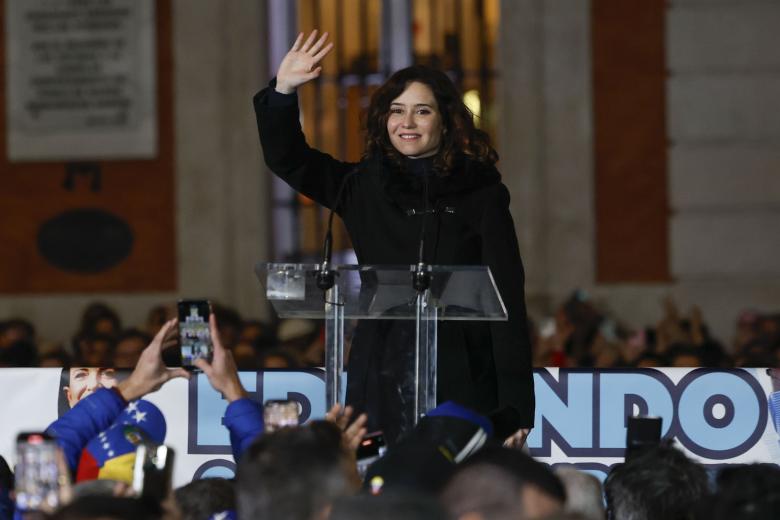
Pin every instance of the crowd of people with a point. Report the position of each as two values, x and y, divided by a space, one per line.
580 334
583 335
102 340
448 467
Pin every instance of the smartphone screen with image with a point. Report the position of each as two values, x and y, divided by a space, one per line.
37 472
279 413
194 335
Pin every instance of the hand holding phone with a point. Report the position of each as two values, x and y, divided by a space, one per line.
150 373
221 371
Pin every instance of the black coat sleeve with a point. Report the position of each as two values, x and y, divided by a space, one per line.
510 339
308 171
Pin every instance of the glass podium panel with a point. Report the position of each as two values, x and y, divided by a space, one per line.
383 292
380 292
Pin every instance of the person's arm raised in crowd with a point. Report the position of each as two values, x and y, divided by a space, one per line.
150 373
243 417
96 412
353 432
307 170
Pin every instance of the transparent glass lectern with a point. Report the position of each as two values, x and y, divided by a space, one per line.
381 292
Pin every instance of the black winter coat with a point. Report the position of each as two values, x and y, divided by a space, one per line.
482 365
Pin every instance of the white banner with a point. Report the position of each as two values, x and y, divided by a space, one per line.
717 416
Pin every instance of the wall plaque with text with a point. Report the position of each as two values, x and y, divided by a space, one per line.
81 79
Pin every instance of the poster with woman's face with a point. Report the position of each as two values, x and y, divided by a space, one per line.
76 383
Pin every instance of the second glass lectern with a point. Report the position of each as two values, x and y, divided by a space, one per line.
381 292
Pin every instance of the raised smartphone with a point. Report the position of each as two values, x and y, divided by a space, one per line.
371 448
38 479
279 413
194 335
152 471
641 433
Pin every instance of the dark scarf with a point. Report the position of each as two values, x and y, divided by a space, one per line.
404 186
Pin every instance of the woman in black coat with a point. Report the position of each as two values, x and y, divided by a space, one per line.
420 138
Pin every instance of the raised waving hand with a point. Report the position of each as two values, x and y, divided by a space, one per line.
301 63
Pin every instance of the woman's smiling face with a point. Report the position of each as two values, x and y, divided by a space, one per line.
414 124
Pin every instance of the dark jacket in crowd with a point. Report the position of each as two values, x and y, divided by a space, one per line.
482 365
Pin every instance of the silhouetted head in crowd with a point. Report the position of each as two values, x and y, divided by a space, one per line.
583 492
157 317
96 350
684 355
16 329
245 355
411 465
296 333
20 353
567 515
388 506
99 507
583 319
54 358
278 358
230 324
258 333
651 360
747 329
769 328
129 345
749 492
256 341
295 473
501 483
757 353
202 498
658 483
99 319
6 475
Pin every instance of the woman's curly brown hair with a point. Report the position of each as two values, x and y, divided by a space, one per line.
460 136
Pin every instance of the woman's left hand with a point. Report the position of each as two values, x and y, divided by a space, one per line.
517 439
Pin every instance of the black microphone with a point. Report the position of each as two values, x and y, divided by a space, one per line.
326 277
421 278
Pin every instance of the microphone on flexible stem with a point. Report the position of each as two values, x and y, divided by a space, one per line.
326 277
421 277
